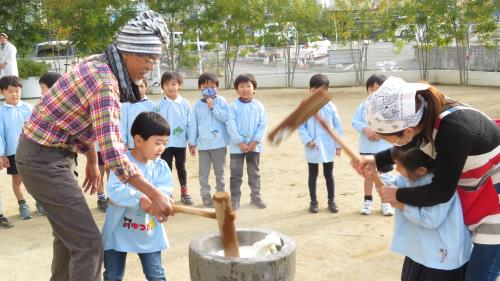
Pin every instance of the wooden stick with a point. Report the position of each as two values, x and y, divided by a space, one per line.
309 106
227 229
195 211
347 148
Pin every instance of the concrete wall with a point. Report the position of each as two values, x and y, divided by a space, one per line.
451 77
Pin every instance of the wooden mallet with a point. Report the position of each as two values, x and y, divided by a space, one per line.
307 108
225 218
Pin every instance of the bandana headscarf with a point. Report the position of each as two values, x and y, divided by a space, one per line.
392 107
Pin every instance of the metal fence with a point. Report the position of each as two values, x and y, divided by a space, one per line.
383 56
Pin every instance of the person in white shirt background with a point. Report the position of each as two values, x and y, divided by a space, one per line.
8 52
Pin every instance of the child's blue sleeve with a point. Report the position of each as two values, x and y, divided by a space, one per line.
2 136
163 180
428 217
124 122
220 109
193 126
122 194
358 122
337 125
304 134
232 128
261 126
188 117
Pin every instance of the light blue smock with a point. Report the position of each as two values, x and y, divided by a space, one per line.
128 113
177 113
366 145
12 118
207 127
247 122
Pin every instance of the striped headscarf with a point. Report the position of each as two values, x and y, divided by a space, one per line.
145 34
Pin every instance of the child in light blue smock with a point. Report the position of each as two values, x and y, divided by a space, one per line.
246 126
320 147
176 110
13 114
434 240
129 227
208 134
369 144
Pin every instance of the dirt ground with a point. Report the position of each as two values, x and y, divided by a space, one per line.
343 246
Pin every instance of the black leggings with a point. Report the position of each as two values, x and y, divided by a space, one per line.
313 176
180 162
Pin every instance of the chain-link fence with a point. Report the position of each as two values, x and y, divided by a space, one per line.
383 56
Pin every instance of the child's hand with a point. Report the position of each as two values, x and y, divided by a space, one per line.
210 102
192 150
4 162
311 144
370 134
252 145
145 204
338 151
243 147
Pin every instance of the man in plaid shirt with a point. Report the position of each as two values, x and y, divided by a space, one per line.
81 108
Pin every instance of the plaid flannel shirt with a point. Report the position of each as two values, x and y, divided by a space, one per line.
82 107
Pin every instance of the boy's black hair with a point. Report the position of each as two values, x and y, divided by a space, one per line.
148 124
207 77
411 157
170 76
243 78
319 80
10 80
49 79
375 79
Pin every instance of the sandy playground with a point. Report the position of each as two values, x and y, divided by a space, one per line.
343 246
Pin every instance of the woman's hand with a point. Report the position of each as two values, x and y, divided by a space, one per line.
388 194
366 166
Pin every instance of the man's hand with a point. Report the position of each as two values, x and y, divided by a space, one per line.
92 173
162 207
311 144
92 178
145 204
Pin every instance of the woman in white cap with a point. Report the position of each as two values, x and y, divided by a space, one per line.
465 145
83 107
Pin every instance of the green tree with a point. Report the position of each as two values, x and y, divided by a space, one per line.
90 25
183 22
356 24
423 23
231 23
22 21
291 23
469 18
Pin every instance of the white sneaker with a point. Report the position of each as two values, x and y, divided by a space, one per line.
387 209
367 207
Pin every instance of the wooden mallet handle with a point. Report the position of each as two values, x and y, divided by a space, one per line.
195 211
347 148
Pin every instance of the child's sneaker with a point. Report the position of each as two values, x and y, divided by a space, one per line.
208 201
387 209
313 207
332 206
257 202
40 210
186 199
24 211
4 223
367 207
102 205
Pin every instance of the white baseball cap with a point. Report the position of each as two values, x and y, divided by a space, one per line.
391 108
